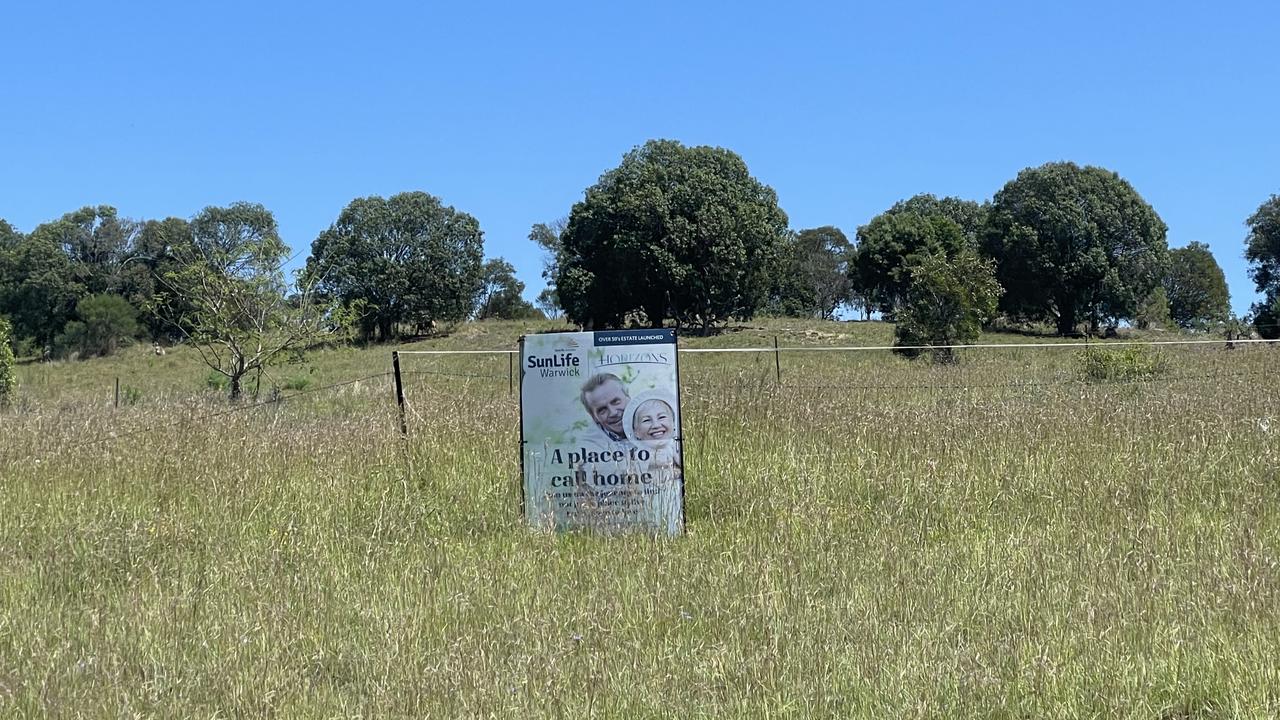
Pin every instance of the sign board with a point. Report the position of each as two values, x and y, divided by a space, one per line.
600 431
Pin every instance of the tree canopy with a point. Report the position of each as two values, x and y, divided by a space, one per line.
403 259
948 301
547 237
37 290
1196 287
813 274
1262 250
1074 243
230 277
674 232
902 236
500 295
103 323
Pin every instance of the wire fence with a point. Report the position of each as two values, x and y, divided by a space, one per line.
772 385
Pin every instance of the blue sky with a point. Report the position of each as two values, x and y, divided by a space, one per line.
509 111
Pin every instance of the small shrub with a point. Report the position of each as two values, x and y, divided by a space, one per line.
8 378
948 300
130 395
215 381
106 321
1136 362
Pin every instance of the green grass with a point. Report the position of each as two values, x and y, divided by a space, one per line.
872 537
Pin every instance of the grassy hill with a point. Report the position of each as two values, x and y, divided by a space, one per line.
867 537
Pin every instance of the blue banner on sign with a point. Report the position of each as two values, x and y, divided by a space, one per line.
610 338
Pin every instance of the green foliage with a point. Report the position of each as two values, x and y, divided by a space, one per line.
904 234
104 322
812 277
240 319
97 242
37 290
1097 363
216 381
1074 243
142 277
406 259
1262 250
1266 317
1196 287
1153 312
1262 246
947 303
547 237
500 294
8 376
673 232
548 302
130 395
9 237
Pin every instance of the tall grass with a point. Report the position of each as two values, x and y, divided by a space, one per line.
871 537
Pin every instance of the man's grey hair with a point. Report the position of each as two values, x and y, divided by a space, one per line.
596 381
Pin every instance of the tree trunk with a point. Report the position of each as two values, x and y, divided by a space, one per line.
1067 320
235 388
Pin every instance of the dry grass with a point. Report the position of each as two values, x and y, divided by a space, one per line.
871 538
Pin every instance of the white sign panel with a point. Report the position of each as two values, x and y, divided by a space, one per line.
600 429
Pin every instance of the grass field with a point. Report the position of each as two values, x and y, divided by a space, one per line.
868 537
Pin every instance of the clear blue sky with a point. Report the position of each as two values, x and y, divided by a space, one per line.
509 111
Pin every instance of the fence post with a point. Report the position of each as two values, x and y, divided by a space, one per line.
777 361
395 367
511 373
117 393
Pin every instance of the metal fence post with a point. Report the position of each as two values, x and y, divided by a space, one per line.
117 393
395 367
777 361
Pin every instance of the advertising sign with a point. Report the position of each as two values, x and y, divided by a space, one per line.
600 431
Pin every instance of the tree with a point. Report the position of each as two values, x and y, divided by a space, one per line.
1072 244
674 232
8 378
37 290
948 301
969 216
1266 318
153 257
1196 287
812 279
96 241
500 294
548 302
1262 250
240 319
103 322
899 238
403 259
547 237
1153 311
9 237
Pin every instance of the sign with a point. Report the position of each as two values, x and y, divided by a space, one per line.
600 431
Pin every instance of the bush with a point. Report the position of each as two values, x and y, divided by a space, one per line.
948 301
8 378
1137 362
105 322
215 381
130 395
